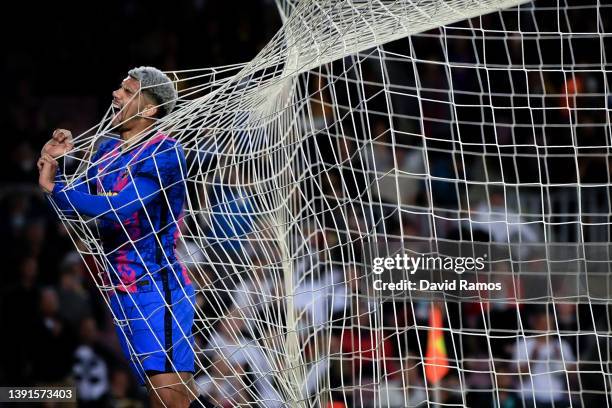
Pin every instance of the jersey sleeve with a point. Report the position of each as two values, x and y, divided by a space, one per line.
118 208
84 184
158 167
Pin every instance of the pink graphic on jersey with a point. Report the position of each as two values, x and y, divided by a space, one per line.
126 273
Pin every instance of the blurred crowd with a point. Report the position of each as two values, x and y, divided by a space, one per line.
57 330
381 180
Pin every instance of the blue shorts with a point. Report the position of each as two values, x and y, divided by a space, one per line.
154 329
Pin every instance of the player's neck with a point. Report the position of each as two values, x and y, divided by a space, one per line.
131 136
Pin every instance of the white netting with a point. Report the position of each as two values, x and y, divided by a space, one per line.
367 129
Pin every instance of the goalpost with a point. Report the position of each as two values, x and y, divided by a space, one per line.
372 144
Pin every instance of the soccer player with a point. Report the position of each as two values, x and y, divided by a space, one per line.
136 193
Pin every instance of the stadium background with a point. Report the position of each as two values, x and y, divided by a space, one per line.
61 68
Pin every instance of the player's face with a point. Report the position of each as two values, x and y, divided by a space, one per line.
127 101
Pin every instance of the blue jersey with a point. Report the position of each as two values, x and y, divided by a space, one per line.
137 197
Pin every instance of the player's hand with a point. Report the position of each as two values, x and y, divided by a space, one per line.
60 143
46 176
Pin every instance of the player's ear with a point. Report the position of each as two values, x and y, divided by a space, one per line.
149 111
150 108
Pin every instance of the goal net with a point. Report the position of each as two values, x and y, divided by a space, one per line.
397 203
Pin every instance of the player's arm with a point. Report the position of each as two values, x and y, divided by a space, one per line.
60 143
83 184
120 207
